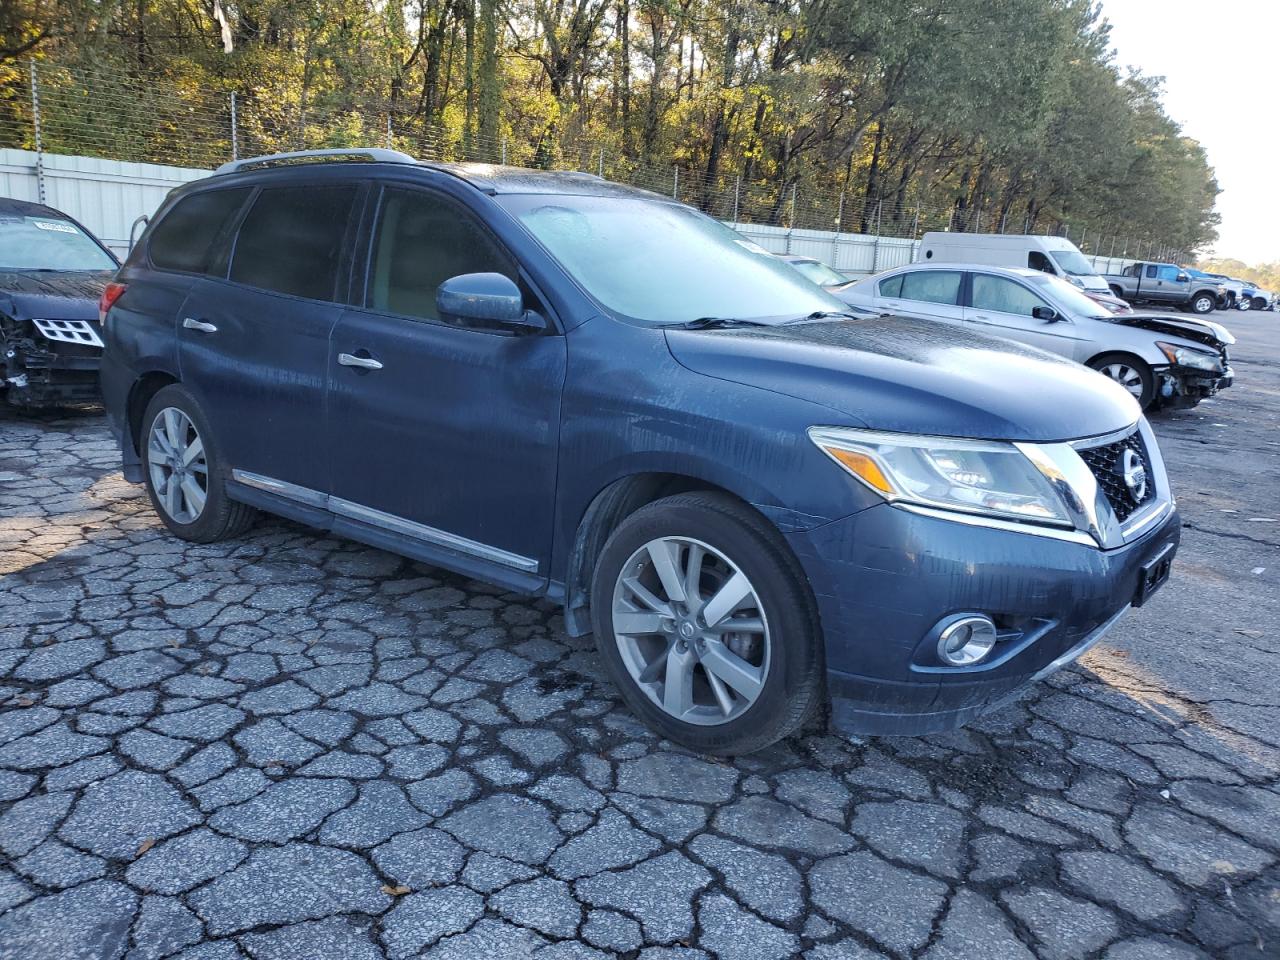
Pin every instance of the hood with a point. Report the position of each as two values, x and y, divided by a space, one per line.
1093 283
56 295
1190 328
915 376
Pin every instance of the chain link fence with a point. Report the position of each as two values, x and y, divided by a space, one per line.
132 117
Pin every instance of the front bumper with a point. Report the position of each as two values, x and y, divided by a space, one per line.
885 577
39 372
1187 386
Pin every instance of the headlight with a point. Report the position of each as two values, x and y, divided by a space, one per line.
969 476
1189 357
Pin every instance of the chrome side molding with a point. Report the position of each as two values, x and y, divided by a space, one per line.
385 521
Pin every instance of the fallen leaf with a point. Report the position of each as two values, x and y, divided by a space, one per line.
24 702
1249 633
394 891
146 845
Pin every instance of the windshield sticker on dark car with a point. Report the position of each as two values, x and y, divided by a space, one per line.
56 226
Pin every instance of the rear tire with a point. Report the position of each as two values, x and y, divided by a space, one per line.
669 659
1132 373
184 474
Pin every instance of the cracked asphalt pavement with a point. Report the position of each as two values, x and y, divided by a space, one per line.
294 747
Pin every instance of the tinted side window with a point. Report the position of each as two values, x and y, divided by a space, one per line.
932 286
291 240
422 240
1005 296
891 287
1038 261
184 240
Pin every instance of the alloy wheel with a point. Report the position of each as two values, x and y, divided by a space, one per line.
1126 376
691 630
178 466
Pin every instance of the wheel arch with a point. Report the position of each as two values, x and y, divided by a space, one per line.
607 509
140 394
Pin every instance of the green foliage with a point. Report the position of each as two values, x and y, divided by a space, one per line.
959 114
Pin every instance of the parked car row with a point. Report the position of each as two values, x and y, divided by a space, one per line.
475 367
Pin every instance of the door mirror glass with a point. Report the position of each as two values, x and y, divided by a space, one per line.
1183 278
1045 313
484 298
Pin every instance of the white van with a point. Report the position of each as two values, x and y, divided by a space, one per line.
1055 255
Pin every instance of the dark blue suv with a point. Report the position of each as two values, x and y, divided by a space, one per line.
571 388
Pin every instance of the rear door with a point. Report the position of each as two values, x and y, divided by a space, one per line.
927 294
254 341
1003 307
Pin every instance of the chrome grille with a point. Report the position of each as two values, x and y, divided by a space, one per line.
1106 462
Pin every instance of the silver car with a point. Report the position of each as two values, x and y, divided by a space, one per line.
1162 359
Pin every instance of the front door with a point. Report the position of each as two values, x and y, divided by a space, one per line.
440 434
1004 308
254 342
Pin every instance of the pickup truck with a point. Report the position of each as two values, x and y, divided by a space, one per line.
1166 283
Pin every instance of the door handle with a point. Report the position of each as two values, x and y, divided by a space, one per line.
191 323
365 363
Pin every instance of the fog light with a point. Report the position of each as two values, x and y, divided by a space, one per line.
966 641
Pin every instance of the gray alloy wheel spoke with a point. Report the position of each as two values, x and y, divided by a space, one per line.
732 669
640 622
677 685
668 569
727 599
691 630
693 574
723 697
178 466
646 598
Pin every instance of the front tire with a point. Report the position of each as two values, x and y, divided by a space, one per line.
1244 303
1259 303
184 475
706 624
1203 303
1131 372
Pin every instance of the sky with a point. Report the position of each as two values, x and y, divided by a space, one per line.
1221 81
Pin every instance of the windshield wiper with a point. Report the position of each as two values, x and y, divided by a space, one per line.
710 323
825 315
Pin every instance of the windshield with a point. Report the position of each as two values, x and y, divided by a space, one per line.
1068 297
48 243
819 273
663 263
1072 263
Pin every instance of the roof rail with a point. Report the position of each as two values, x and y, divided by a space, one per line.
373 154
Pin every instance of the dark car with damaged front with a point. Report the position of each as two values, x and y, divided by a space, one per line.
52 273
760 504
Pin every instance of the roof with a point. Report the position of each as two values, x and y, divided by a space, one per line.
488 177
26 208
1024 272
493 178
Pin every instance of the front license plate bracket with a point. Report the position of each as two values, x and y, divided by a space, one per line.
1153 574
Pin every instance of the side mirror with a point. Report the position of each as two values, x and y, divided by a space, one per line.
1183 277
1047 314
486 298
